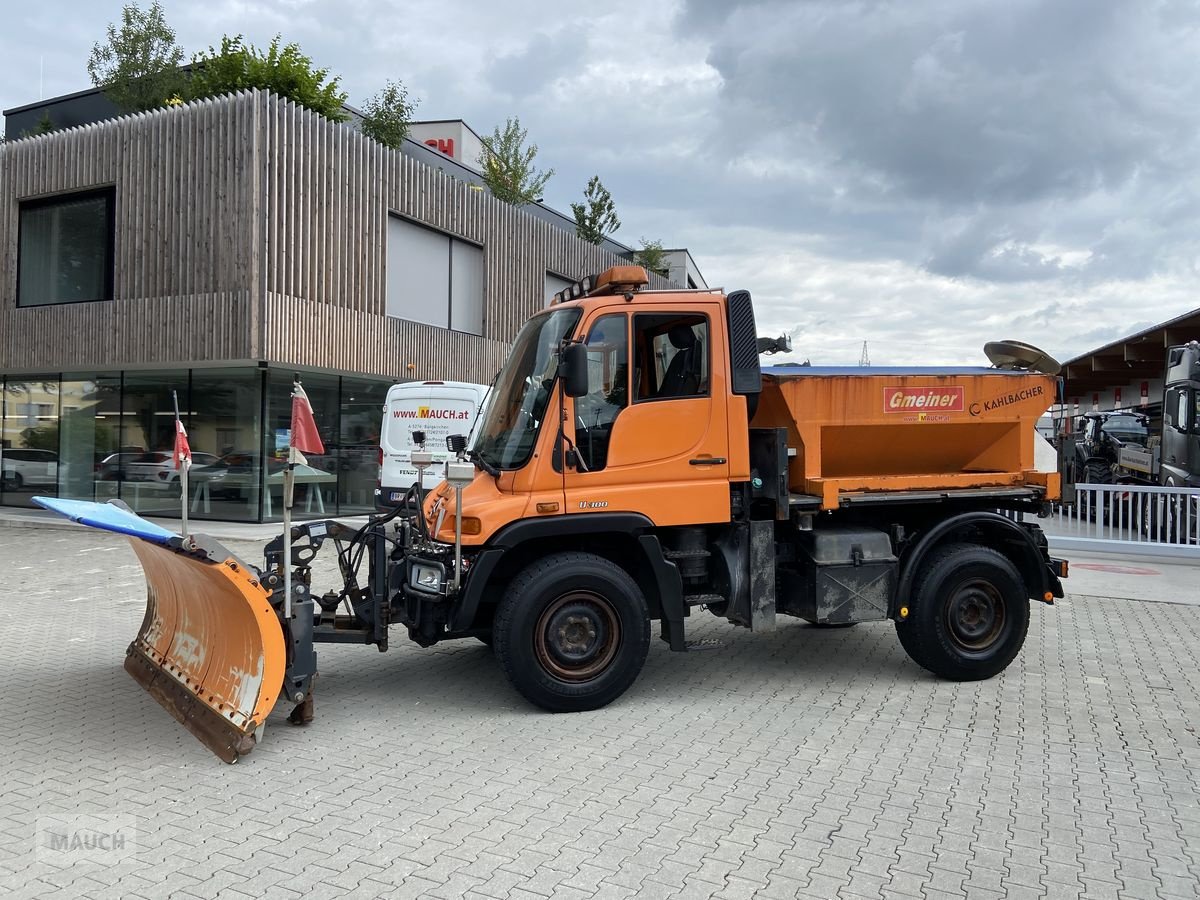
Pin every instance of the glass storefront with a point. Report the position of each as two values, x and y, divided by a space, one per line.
99 436
29 439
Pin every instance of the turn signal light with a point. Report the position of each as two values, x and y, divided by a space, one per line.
547 507
471 525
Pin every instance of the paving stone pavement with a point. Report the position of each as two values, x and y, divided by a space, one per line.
806 763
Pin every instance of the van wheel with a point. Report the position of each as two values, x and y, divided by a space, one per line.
970 614
572 632
13 481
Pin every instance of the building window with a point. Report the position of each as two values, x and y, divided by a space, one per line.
433 277
66 249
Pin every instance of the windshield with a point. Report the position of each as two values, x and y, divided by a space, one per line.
1125 428
518 403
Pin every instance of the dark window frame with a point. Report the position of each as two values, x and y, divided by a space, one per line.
109 194
612 424
635 338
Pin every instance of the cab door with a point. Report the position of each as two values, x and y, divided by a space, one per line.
651 433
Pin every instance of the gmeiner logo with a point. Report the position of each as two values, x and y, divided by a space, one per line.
1003 400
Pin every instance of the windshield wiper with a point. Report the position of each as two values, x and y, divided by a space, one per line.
475 457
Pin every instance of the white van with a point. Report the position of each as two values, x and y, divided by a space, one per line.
438 408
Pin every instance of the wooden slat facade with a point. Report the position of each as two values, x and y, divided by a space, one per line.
247 228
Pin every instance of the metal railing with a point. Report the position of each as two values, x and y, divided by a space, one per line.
1130 518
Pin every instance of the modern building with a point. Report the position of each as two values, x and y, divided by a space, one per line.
208 252
1127 373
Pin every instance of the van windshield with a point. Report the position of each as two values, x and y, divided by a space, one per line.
518 402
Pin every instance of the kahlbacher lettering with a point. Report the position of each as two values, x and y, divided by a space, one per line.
938 399
1015 397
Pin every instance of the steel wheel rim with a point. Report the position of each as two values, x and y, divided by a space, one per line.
577 636
975 615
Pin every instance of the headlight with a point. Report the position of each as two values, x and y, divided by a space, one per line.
425 578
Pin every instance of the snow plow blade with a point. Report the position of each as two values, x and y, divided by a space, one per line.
211 648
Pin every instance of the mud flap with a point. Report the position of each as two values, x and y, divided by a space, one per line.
210 650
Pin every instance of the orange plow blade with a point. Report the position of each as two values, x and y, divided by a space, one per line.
210 650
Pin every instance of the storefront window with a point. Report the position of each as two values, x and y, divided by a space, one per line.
89 428
225 434
317 477
362 416
142 467
29 439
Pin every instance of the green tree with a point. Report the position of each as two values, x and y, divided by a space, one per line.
282 69
508 169
387 115
44 126
652 257
596 217
138 66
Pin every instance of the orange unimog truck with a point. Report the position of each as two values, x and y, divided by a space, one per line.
635 463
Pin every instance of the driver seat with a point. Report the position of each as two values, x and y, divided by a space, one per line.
682 378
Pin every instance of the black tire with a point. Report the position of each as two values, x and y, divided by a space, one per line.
13 481
572 632
1157 518
969 615
1098 472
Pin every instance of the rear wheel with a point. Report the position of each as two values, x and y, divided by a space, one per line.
970 614
13 481
572 632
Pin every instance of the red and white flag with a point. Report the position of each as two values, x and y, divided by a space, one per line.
182 449
305 438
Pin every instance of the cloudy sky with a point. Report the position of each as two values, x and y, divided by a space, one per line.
924 175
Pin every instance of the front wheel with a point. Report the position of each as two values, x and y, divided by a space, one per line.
572 632
970 614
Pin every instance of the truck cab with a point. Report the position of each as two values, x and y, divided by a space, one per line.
1180 446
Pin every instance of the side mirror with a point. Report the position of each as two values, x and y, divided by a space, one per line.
573 367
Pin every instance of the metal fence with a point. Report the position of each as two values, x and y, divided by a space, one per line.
1129 518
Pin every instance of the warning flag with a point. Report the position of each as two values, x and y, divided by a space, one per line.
182 449
305 438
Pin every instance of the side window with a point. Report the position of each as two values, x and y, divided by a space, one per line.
1195 412
672 359
608 384
1173 406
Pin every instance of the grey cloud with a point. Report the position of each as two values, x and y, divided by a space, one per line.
1006 113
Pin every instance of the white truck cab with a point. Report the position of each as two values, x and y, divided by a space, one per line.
438 408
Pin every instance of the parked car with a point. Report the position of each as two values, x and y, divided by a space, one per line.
21 468
113 467
233 474
159 466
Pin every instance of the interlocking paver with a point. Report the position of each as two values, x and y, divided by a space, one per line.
798 764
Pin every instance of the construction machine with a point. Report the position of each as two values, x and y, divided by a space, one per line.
635 464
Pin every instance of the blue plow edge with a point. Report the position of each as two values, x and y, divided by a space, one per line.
111 516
